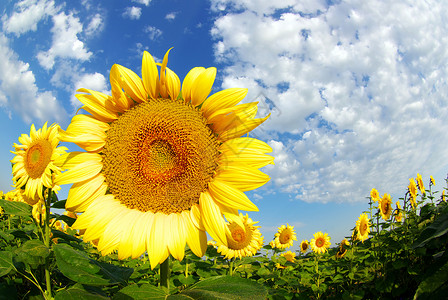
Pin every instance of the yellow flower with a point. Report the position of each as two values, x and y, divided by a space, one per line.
443 195
362 227
241 241
398 213
285 237
413 192
304 245
433 182
290 256
421 186
385 206
374 195
33 166
162 164
342 249
320 243
272 244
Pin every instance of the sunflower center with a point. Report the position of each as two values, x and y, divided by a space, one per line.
285 237
37 157
159 156
364 228
240 239
320 242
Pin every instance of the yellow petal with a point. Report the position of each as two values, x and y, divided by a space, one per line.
196 239
238 145
132 84
241 129
80 172
150 75
247 158
223 99
121 102
195 216
242 177
140 233
229 118
114 233
230 196
72 159
202 86
99 105
127 242
85 191
157 240
212 218
176 244
172 84
188 82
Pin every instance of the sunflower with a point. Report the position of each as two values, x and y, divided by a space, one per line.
285 237
374 195
241 241
413 192
33 167
398 213
163 164
304 245
289 255
443 195
362 227
385 206
421 186
320 243
432 181
342 249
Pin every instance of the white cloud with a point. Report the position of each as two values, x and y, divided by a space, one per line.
171 16
95 26
27 15
65 42
153 32
143 2
359 89
19 92
95 81
132 12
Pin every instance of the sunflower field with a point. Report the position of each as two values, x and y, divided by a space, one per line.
154 208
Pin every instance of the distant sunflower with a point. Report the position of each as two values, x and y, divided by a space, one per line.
398 213
412 192
362 228
241 241
374 195
421 186
443 195
342 249
289 255
162 164
285 237
432 181
386 206
320 243
33 167
304 246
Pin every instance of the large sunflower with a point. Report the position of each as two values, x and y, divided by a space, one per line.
386 207
320 243
285 237
33 167
162 164
362 227
241 241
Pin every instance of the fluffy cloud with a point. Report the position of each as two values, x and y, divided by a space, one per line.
143 2
132 12
94 81
358 90
171 16
95 26
18 89
153 32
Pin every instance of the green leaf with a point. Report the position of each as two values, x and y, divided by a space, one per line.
438 228
6 264
32 252
226 287
7 291
77 266
433 282
16 208
59 204
145 291
78 291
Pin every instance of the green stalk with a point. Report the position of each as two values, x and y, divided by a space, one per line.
47 243
231 261
165 273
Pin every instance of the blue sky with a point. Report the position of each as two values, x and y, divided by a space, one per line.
357 90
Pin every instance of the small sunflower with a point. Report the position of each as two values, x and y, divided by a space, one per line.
285 237
272 244
241 241
304 246
163 163
432 181
342 249
33 166
320 243
362 228
443 196
386 207
421 186
374 195
412 192
289 255
398 213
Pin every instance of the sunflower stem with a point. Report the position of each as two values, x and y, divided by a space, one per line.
47 243
165 273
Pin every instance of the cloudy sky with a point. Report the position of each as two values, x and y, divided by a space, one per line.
357 90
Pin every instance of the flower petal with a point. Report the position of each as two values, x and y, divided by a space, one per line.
202 86
223 99
212 218
150 75
230 196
